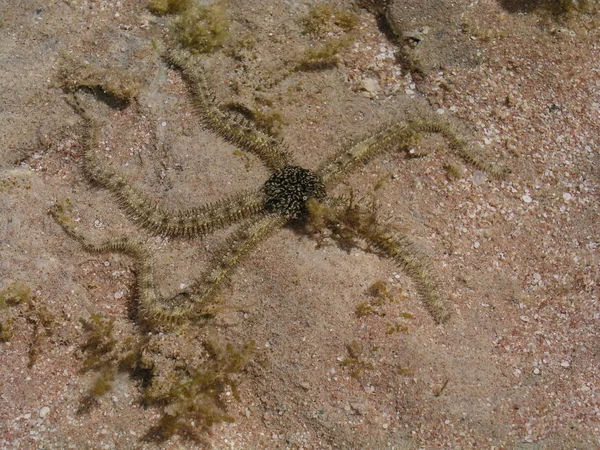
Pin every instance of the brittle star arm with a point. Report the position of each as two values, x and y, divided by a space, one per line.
460 146
401 136
147 213
412 261
333 170
243 133
342 215
199 300
191 304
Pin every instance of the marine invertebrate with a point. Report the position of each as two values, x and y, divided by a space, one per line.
291 193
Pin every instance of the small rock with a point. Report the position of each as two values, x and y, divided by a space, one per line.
44 411
565 364
118 295
526 198
567 197
359 407
536 371
371 85
479 177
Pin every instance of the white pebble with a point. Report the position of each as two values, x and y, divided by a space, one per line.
370 85
119 294
526 198
479 177
476 244
44 411
565 364
536 371
567 196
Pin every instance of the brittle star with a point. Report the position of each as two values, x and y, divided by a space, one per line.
290 194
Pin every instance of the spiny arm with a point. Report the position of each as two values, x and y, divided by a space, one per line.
460 146
348 160
147 213
200 299
401 136
243 133
348 221
192 303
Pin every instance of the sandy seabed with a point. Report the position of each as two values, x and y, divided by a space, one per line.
516 366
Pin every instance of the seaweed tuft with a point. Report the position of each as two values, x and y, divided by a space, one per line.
16 293
322 57
195 397
105 356
356 361
163 7
202 29
115 87
18 296
325 18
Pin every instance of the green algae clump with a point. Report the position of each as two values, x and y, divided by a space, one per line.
202 29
